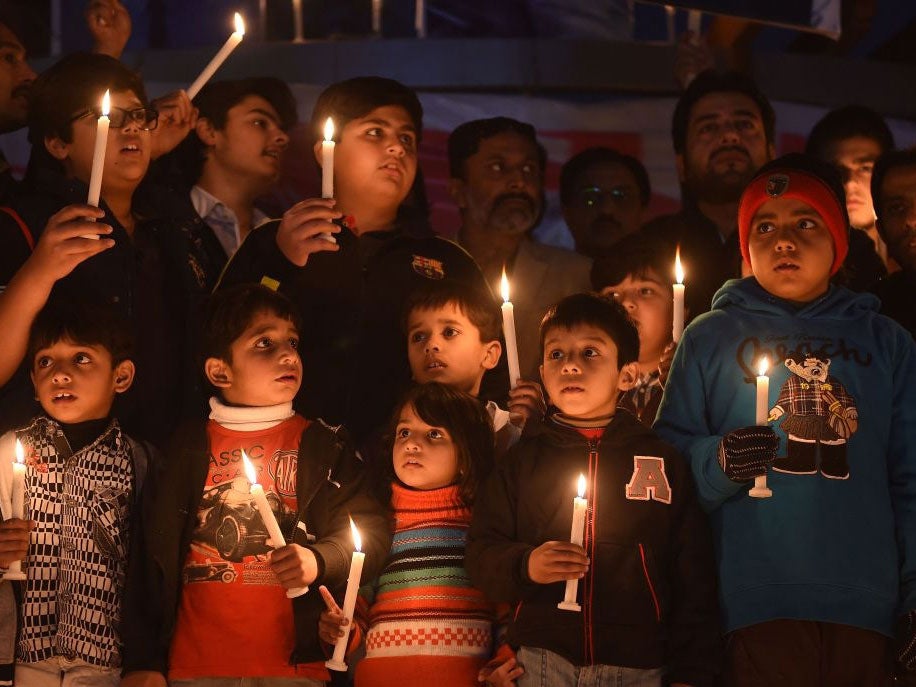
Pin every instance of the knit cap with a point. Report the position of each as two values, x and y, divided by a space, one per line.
803 178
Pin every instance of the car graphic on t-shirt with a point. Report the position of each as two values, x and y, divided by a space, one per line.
229 522
210 571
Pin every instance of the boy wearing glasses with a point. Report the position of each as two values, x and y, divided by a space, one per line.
127 254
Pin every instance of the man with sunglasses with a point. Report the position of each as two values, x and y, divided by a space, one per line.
151 267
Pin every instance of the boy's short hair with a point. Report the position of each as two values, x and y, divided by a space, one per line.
884 164
579 163
465 418
83 323
712 81
465 140
475 302
633 256
347 100
74 83
806 178
596 311
847 122
229 312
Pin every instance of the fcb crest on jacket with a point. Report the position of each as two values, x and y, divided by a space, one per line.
428 267
818 416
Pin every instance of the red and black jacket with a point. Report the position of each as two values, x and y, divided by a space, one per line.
649 597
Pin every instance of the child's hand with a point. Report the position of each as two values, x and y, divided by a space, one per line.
62 246
144 678
500 675
177 116
295 566
557 561
526 401
332 621
14 540
303 226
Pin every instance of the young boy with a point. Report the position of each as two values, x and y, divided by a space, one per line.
453 337
83 475
210 602
645 576
814 579
638 275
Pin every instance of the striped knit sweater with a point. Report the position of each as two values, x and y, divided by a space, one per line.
427 624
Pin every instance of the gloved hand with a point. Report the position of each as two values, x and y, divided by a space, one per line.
748 452
906 648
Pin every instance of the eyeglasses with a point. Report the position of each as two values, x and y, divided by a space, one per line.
591 196
146 118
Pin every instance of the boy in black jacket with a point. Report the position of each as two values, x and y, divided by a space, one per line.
646 581
210 601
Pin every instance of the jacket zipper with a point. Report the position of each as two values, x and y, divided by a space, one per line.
645 570
589 543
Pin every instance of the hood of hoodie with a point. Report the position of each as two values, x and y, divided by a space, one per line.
839 303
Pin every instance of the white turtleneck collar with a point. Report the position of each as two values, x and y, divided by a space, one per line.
249 418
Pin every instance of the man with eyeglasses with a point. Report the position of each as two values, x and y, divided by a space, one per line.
722 130
603 194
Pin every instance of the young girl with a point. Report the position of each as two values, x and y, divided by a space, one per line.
426 623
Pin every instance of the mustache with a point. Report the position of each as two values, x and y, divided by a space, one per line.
515 196
731 149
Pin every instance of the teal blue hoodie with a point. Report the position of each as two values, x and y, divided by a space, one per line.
832 550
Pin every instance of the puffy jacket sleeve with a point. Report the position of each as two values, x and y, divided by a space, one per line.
258 258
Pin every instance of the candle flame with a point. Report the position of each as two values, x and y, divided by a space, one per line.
581 486
678 268
357 540
239 24
762 366
106 104
250 472
504 286
329 130
20 454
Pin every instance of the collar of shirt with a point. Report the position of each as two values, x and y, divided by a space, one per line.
221 219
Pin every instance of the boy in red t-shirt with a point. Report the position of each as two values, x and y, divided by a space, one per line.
211 599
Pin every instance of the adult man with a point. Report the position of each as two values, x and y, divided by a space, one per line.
15 79
497 181
722 130
851 138
604 195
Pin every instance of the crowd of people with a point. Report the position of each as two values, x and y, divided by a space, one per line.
173 347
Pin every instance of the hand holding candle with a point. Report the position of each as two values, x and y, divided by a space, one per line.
576 536
276 539
677 313
14 572
760 489
234 39
356 571
509 333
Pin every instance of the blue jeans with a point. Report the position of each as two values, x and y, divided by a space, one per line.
546 669
248 682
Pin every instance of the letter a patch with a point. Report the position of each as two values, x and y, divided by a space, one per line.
649 480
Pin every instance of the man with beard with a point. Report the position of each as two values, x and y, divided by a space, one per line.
15 79
497 181
722 130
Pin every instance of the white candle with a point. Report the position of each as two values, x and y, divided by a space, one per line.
677 313
509 333
670 13
576 536
276 538
694 24
377 17
98 154
760 489
356 572
14 572
419 20
327 160
234 39
297 19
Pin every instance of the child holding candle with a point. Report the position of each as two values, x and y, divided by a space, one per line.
208 570
638 275
645 569
82 481
427 625
817 580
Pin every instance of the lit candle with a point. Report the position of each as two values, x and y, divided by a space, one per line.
670 13
297 18
276 539
420 18
356 572
576 536
509 332
377 17
234 39
14 572
98 154
694 23
327 160
760 489
677 313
